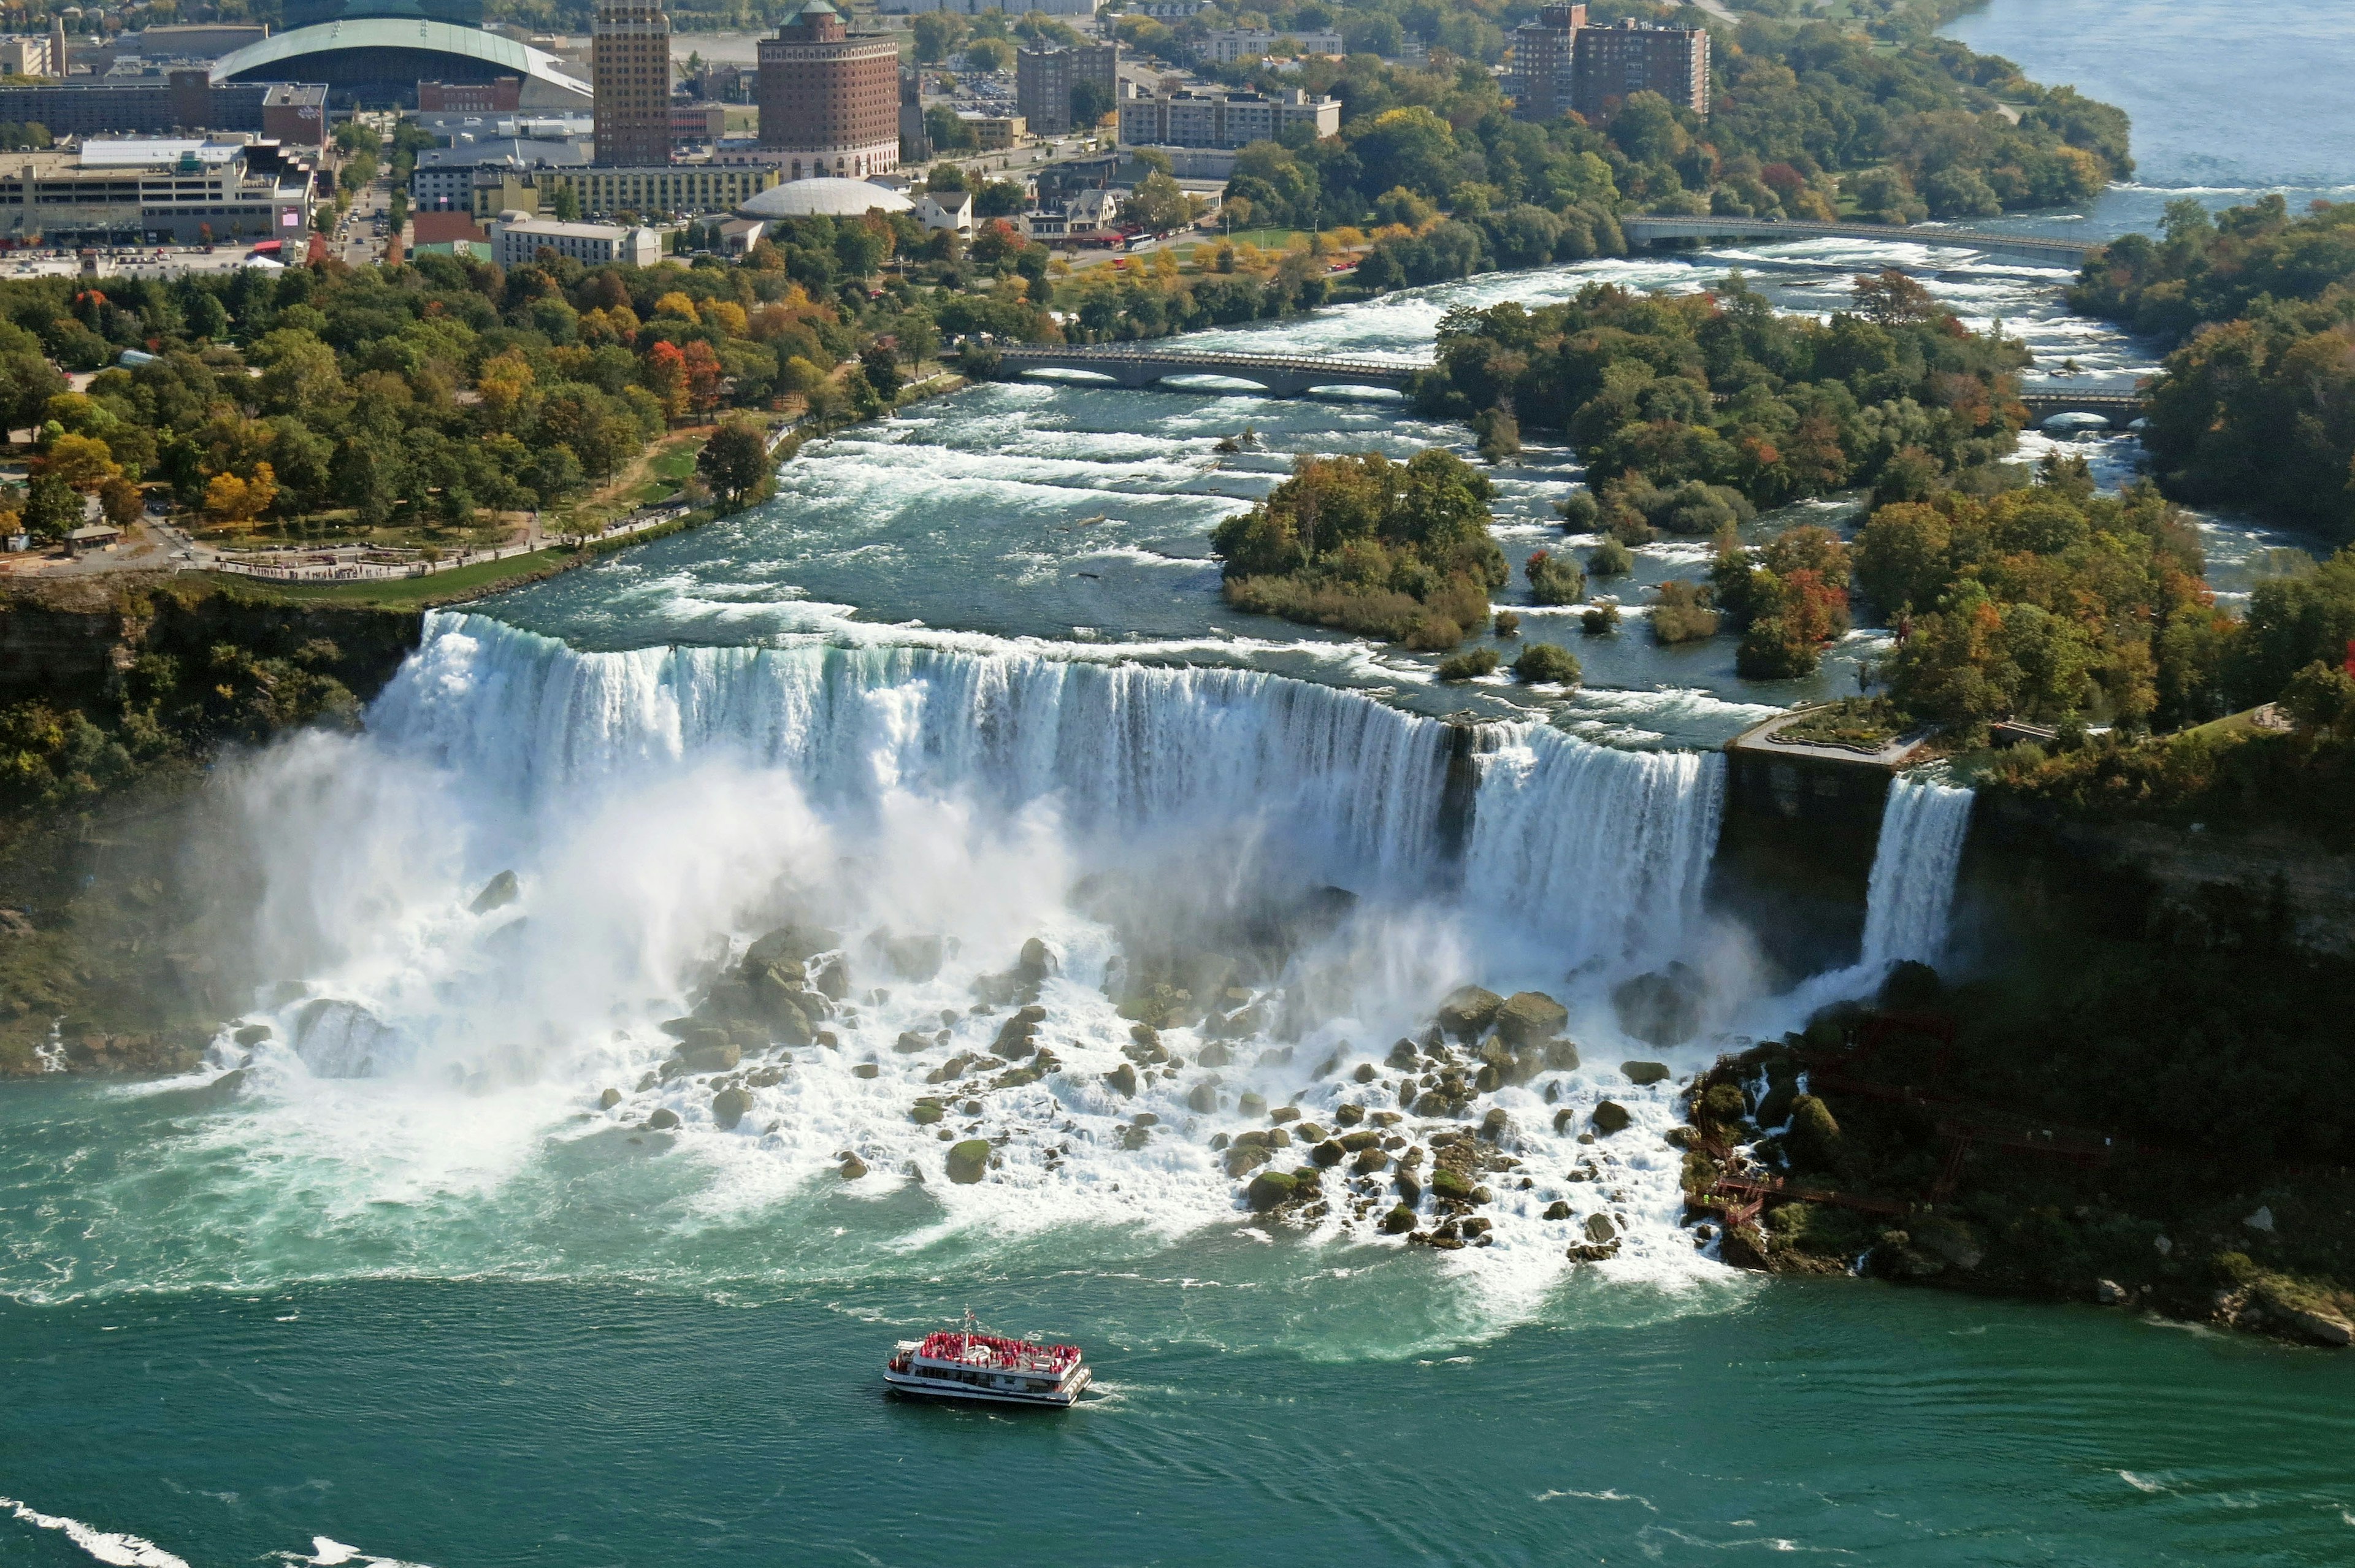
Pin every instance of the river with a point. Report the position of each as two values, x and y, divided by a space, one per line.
414 1296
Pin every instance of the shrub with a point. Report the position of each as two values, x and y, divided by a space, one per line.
1507 624
1681 613
1581 513
1469 667
1610 559
1600 620
1543 663
1554 579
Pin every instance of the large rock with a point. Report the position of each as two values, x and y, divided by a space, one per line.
1468 1011
727 1107
1610 1117
497 893
1644 1074
1122 1079
703 1054
1269 1189
790 941
663 1120
969 1161
1530 1017
1037 962
1599 1228
1399 1220
1452 1184
1660 1008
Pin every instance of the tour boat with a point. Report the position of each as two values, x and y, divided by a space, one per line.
970 1364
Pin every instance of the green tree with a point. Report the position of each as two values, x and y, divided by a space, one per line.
52 509
735 460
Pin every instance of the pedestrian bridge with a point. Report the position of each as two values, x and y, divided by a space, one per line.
2120 408
1278 374
1644 230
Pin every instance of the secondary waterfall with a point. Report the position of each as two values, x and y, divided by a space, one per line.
1911 891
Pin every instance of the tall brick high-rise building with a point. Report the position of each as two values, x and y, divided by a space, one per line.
829 102
1610 63
630 71
1043 80
1560 64
1541 61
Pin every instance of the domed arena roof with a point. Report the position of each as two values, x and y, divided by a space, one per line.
381 58
827 196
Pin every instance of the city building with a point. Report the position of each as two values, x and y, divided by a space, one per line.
975 8
1228 44
682 188
1044 79
915 142
500 95
150 190
1090 214
1561 65
518 239
26 55
187 103
993 132
1168 10
1612 62
702 122
1542 51
829 102
1187 118
630 72
380 59
946 209
445 176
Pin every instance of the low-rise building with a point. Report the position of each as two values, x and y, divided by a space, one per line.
1225 46
1187 118
946 209
994 132
684 188
704 123
185 103
515 240
26 54
502 95
155 189
445 176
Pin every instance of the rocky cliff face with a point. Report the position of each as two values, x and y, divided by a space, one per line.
74 641
2209 888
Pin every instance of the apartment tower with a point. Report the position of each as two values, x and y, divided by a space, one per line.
630 71
829 102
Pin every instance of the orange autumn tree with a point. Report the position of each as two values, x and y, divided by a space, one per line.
666 377
704 376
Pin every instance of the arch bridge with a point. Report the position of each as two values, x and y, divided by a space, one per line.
1649 228
2120 408
1278 374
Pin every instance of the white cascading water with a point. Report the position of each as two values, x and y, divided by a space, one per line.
1609 851
1911 891
663 806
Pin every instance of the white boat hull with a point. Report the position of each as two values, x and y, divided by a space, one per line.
917 1386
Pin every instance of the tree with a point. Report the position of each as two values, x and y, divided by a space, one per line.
238 502
52 510
1156 204
568 204
665 376
735 460
704 377
83 462
1089 103
123 501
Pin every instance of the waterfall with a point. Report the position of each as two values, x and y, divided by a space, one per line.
1608 849
1912 892
1603 849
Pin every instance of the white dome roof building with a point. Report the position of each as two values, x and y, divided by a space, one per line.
826 197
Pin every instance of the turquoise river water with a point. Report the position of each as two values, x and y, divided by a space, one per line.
414 1295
